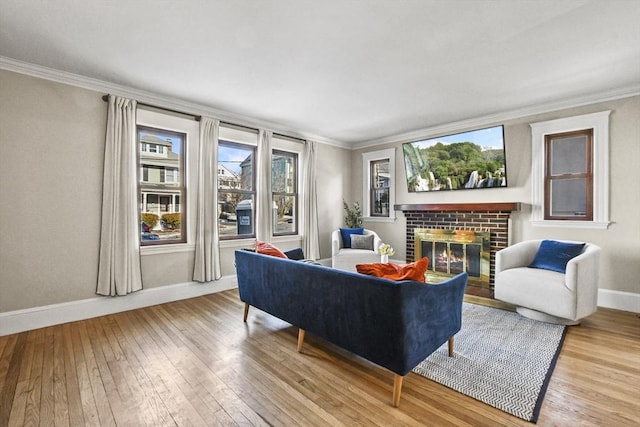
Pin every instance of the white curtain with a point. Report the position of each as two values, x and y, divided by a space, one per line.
311 242
119 262
207 262
263 183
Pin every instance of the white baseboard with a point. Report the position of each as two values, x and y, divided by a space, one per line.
39 317
625 301
16 321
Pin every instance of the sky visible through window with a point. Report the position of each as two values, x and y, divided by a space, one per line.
232 157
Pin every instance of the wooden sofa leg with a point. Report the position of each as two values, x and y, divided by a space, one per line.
397 389
300 339
246 312
451 347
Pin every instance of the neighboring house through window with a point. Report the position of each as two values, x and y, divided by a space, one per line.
161 186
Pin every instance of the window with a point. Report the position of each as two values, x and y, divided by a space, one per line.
161 186
379 188
378 196
284 190
236 190
568 177
570 172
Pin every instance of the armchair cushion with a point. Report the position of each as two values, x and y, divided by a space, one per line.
553 255
364 241
346 235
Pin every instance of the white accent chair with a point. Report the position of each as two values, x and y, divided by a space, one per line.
547 295
346 258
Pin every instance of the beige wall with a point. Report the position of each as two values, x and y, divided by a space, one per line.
620 243
51 155
51 160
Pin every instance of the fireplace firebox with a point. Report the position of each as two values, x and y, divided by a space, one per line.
451 252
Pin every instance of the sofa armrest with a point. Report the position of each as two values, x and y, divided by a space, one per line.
518 255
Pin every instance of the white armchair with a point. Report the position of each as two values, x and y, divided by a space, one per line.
346 258
547 295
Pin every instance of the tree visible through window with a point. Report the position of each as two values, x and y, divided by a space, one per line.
161 186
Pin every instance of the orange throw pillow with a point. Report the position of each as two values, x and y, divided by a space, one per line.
414 271
268 249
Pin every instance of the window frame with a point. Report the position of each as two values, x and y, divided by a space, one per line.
368 159
163 185
373 188
587 175
599 123
253 192
296 194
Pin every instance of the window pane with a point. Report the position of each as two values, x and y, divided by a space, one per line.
284 215
569 197
161 185
380 174
380 202
236 214
284 189
235 164
569 155
283 172
236 197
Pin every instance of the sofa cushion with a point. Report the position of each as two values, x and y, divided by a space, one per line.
268 249
362 241
295 254
553 255
346 235
414 271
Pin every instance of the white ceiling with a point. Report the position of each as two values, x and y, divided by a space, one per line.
347 71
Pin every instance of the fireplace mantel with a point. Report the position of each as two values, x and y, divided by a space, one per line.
452 207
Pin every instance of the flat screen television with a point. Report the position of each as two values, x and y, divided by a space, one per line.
462 161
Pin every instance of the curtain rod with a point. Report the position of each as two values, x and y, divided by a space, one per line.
196 117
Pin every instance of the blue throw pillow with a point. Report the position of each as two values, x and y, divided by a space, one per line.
346 235
553 255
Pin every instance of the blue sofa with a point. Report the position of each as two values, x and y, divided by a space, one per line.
392 324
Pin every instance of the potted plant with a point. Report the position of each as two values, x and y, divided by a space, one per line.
353 216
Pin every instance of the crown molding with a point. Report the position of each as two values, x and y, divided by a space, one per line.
161 101
502 117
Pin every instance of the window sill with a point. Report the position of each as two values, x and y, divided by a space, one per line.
572 224
167 249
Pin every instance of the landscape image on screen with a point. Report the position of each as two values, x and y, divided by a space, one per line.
463 161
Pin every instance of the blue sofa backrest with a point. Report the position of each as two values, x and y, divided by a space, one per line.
393 324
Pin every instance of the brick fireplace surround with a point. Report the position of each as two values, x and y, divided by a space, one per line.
491 217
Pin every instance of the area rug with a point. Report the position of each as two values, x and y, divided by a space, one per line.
501 358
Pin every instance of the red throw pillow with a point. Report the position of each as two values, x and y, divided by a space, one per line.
414 271
268 249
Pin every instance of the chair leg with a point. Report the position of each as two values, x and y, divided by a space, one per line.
300 339
246 312
397 389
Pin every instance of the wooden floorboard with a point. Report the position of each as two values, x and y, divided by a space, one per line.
194 362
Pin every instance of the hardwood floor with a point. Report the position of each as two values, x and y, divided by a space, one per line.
194 362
